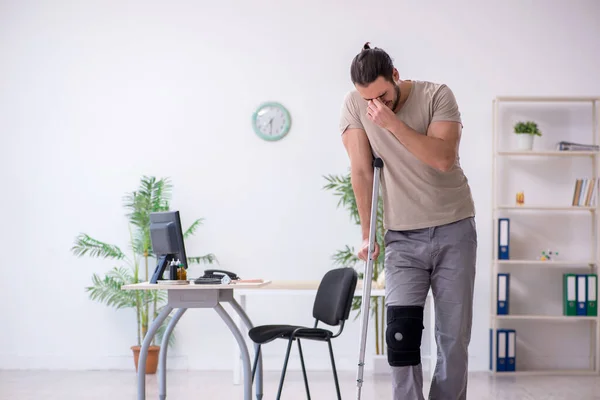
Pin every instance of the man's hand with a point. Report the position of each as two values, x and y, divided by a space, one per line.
381 115
363 254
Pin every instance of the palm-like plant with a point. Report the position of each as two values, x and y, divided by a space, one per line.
341 185
153 195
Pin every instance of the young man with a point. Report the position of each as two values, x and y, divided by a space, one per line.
431 238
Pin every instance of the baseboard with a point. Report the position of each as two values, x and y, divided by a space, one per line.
51 362
373 364
125 362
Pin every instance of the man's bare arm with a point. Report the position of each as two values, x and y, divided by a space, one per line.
439 148
361 174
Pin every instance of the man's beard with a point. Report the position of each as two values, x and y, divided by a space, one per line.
397 99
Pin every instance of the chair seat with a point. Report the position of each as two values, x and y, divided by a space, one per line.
266 333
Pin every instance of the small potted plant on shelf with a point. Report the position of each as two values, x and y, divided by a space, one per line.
525 132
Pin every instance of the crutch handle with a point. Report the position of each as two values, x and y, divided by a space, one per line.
378 163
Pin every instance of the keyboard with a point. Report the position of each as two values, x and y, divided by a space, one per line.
207 281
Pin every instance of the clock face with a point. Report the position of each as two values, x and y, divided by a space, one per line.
271 121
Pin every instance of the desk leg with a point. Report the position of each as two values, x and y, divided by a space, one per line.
259 369
144 350
243 349
237 365
162 357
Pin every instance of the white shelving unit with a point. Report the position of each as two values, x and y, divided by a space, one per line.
543 324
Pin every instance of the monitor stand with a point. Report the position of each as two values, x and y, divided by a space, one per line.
163 262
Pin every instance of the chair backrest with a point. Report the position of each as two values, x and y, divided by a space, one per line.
334 296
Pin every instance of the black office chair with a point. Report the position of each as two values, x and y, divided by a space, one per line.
332 306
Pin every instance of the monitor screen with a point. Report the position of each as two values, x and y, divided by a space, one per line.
167 236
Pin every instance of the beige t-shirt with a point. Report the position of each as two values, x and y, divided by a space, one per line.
415 195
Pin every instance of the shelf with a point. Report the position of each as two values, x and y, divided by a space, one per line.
564 318
548 372
548 153
559 263
561 99
507 172
547 208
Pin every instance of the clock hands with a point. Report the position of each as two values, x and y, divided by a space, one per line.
271 121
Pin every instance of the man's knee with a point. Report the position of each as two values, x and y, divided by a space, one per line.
403 335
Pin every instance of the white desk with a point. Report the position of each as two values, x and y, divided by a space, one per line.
187 296
183 297
309 288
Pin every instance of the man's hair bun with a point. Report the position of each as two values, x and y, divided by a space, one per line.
369 64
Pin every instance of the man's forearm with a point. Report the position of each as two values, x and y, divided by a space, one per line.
362 185
436 152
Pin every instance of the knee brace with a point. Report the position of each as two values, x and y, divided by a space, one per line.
403 335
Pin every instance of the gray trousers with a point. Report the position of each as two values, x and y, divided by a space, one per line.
442 257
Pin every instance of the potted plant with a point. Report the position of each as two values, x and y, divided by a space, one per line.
341 185
153 195
525 132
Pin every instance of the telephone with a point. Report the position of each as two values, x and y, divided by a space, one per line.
216 276
219 273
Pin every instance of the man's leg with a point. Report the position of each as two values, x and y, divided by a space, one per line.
452 281
407 274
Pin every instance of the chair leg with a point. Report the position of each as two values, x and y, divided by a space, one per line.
335 377
287 356
303 369
255 362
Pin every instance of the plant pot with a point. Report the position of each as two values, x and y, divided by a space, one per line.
524 141
151 360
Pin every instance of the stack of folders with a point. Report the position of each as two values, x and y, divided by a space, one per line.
506 350
585 192
570 146
580 292
505 338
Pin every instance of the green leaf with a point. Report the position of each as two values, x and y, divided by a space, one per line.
137 243
528 127
192 229
341 185
122 275
152 196
206 259
356 305
108 290
84 244
346 257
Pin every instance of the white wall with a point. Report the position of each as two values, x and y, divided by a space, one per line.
95 94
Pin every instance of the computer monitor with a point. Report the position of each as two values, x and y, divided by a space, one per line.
166 236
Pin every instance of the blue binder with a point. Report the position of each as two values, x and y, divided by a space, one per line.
491 347
501 347
503 238
502 290
511 350
581 294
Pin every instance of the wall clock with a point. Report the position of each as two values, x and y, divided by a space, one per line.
271 121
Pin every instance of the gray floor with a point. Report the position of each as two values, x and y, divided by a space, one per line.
121 385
